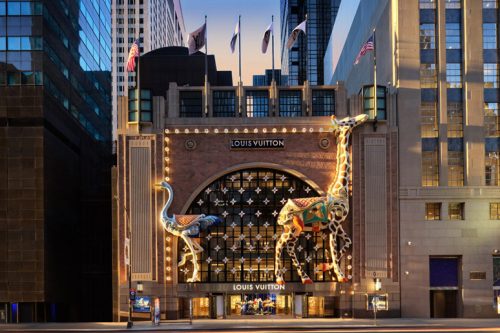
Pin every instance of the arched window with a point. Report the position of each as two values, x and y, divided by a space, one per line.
242 247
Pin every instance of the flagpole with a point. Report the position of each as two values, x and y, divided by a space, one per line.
206 66
305 38
138 86
272 45
375 106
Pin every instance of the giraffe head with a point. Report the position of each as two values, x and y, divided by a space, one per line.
347 124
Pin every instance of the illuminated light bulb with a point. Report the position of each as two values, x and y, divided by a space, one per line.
167 168
304 129
275 130
168 238
167 149
167 159
321 129
311 129
176 131
264 130
169 269
167 131
245 130
168 249
168 259
256 130
294 130
284 130
167 179
186 131
169 278
349 257
349 277
196 130
206 131
167 139
407 273
216 130
236 130
226 130
349 267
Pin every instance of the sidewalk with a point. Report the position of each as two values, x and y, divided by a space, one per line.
253 324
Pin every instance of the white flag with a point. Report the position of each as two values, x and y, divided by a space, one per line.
295 34
267 37
197 39
236 33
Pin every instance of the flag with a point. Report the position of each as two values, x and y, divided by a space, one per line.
197 39
236 34
295 34
368 46
267 36
134 52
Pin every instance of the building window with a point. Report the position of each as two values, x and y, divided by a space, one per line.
257 103
432 211
190 103
427 36
145 106
455 120
427 4
453 36
428 76
491 75
492 168
429 120
453 4
455 168
224 104
456 211
454 75
489 4
490 39
494 210
290 103
241 248
491 120
323 102
430 168
368 101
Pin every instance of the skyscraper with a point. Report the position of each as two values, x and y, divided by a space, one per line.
309 50
438 71
158 23
55 143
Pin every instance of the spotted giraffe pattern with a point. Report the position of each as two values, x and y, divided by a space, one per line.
331 210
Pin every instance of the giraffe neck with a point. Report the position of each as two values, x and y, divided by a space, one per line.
340 186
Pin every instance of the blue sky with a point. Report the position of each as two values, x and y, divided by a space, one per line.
255 17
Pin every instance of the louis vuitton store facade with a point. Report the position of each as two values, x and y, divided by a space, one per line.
274 144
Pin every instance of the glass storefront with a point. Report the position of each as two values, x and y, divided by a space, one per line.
259 305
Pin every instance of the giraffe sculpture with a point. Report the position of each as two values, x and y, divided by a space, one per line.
330 210
186 227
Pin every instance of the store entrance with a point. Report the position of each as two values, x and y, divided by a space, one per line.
259 305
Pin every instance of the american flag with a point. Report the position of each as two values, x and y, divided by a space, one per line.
368 46
134 52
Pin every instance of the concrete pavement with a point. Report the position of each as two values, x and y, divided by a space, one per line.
256 324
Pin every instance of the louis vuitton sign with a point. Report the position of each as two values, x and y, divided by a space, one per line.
256 144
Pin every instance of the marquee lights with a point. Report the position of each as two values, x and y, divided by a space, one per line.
168 239
245 130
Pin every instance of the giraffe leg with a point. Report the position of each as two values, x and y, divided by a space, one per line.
183 259
346 241
278 252
333 250
194 258
290 248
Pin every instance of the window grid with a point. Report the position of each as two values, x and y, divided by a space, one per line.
492 169
427 4
453 4
430 168
489 4
491 75
429 120
190 104
241 248
494 210
455 168
491 120
456 211
290 103
453 36
455 120
433 211
257 103
490 38
323 102
427 36
224 103
454 75
428 76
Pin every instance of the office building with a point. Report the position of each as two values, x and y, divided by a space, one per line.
437 67
267 78
55 143
304 61
158 23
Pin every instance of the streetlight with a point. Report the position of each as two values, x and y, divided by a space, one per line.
130 324
378 284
